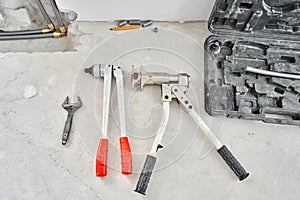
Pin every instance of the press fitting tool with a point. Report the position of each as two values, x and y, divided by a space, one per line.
174 87
71 108
106 72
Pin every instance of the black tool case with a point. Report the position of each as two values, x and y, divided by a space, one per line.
249 35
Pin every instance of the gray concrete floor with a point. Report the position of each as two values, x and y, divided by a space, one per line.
34 164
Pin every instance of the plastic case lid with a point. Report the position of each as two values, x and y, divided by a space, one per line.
256 18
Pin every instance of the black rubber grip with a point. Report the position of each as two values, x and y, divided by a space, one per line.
145 176
235 166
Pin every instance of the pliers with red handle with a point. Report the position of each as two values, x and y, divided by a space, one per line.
106 72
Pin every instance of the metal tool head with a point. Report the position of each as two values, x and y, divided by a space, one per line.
72 107
98 70
140 78
94 70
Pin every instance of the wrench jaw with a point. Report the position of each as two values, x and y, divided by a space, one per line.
72 107
66 103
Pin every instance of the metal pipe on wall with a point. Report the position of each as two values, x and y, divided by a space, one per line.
23 37
43 11
29 32
57 13
39 33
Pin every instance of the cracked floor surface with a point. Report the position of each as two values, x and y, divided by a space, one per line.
34 164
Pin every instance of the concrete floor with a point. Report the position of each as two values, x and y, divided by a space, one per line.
34 164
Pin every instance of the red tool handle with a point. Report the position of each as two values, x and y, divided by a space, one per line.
101 159
126 157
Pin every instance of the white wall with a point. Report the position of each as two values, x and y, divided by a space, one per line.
101 10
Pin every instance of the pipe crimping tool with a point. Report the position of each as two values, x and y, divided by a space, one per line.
106 72
174 87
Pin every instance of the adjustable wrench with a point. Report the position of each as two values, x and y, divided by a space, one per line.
174 87
106 72
71 108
